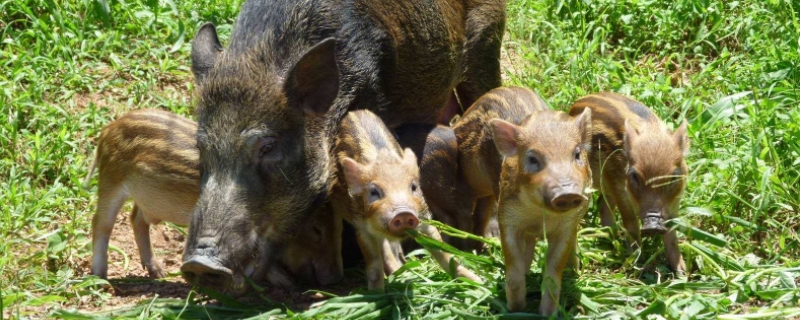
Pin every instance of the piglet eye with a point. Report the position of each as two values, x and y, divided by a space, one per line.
414 187
532 164
265 145
375 193
634 177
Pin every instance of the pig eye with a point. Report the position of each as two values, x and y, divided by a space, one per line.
375 193
634 177
265 145
317 233
414 187
532 164
578 155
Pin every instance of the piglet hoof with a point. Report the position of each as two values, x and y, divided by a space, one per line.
155 271
653 226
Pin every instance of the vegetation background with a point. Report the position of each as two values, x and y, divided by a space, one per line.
731 68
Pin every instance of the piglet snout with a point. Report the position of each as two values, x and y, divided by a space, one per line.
403 221
653 225
567 201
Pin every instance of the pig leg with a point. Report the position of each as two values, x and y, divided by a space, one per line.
110 198
141 232
630 220
465 223
560 246
444 259
483 214
518 249
372 249
485 26
674 257
392 253
606 211
572 261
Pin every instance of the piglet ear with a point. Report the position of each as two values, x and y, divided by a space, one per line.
313 82
630 135
584 123
409 157
505 137
353 175
682 138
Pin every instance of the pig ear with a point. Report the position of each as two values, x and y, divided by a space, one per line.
313 82
505 137
584 122
682 138
353 175
205 50
630 134
409 157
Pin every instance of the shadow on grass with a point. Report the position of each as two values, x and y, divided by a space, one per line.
137 287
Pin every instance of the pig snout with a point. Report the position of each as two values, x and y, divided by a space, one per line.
403 219
205 272
653 224
566 196
327 274
202 267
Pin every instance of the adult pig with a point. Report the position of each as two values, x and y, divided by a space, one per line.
269 105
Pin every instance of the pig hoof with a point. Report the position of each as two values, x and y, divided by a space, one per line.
100 274
156 272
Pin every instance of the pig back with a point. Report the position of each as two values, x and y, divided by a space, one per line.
610 111
478 157
419 56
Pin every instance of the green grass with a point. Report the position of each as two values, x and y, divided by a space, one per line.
731 68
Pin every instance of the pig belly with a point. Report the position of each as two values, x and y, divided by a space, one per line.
170 202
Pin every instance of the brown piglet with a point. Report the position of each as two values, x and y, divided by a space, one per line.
376 188
442 186
534 162
639 167
150 156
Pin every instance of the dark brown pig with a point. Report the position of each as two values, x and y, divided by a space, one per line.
376 188
269 105
533 161
639 167
150 156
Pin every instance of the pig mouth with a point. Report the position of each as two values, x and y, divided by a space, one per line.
653 225
205 272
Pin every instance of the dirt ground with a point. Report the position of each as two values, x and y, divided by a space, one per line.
130 284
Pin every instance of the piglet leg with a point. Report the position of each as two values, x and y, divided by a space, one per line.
444 259
373 256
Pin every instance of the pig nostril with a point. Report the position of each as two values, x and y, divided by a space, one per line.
201 270
189 276
564 202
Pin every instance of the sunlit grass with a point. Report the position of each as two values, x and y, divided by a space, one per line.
730 68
